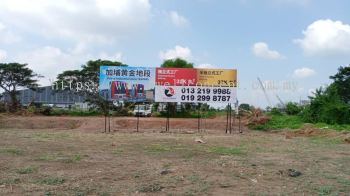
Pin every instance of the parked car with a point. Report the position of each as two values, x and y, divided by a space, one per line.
143 110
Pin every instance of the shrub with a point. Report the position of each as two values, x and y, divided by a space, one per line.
275 111
280 122
292 108
327 107
244 106
73 112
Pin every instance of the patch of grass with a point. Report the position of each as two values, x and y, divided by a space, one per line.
103 194
62 158
324 190
71 159
11 151
280 122
189 154
46 157
10 181
193 178
336 127
325 140
118 151
157 148
344 182
50 136
228 150
200 186
52 180
47 193
150 188
26 170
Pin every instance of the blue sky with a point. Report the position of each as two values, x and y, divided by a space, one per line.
292 45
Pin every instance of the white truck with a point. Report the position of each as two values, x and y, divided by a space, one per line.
143 110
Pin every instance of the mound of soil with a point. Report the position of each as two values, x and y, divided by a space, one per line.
310 131
38 123
307 131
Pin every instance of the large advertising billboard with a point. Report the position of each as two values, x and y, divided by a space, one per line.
134 84
195 85
139 84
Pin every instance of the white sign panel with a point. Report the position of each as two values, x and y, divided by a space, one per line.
195 94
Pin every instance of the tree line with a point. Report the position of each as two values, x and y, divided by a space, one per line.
329 104
14 76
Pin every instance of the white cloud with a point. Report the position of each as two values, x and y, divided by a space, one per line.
79 20
326 38
6 36
304 72
50 61
112 57
178 20
206 66
3 55
177 52
262 50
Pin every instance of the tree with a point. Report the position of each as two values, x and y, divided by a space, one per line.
14 76
89 74
178 63
342 83
244 106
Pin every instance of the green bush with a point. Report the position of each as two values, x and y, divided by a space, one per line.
280 122
327 107
74 112
292 108
123 111
275 111
244 106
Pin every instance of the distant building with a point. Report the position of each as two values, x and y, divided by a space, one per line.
47 96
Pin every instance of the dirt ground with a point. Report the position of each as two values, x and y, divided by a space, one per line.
118 124
71 156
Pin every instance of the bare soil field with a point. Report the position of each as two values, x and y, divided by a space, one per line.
71 156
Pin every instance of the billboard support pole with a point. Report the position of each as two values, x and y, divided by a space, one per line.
227 118
167 126
239 117
199 118
230 122
109 119
239 121
105 114
138 117
234 119
105 122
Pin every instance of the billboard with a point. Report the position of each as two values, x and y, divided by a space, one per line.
134 84
195 85
139 84
217 77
